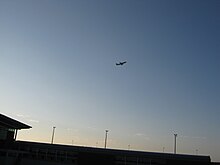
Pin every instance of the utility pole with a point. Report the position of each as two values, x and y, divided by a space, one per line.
175 135
53 135
106 134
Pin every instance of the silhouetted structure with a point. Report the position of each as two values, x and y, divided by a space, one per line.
9 128
26 153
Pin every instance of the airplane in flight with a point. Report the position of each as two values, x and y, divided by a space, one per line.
121 63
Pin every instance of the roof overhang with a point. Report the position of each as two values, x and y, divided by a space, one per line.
10 123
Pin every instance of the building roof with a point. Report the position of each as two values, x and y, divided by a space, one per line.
10 123
114 152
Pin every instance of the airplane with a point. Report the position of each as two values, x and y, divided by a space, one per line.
121 63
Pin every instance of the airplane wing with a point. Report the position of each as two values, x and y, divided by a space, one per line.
121 63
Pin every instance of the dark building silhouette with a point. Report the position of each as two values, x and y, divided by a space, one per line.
14 152
9 128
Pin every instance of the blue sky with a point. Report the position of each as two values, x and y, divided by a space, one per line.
57 67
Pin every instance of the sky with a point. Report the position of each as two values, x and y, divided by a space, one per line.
57 67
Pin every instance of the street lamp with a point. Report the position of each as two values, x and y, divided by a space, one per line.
175 135
106 134
53 135
197 151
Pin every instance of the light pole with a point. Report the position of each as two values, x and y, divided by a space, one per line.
175 135
197 151
106 134
53 135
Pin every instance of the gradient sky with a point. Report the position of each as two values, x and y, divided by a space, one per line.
57 68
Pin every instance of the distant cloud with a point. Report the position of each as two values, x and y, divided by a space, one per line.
69 129
33 121
198 137
139 134
146 138
92 128
193 137
28 118
72 130
142 135
22 116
